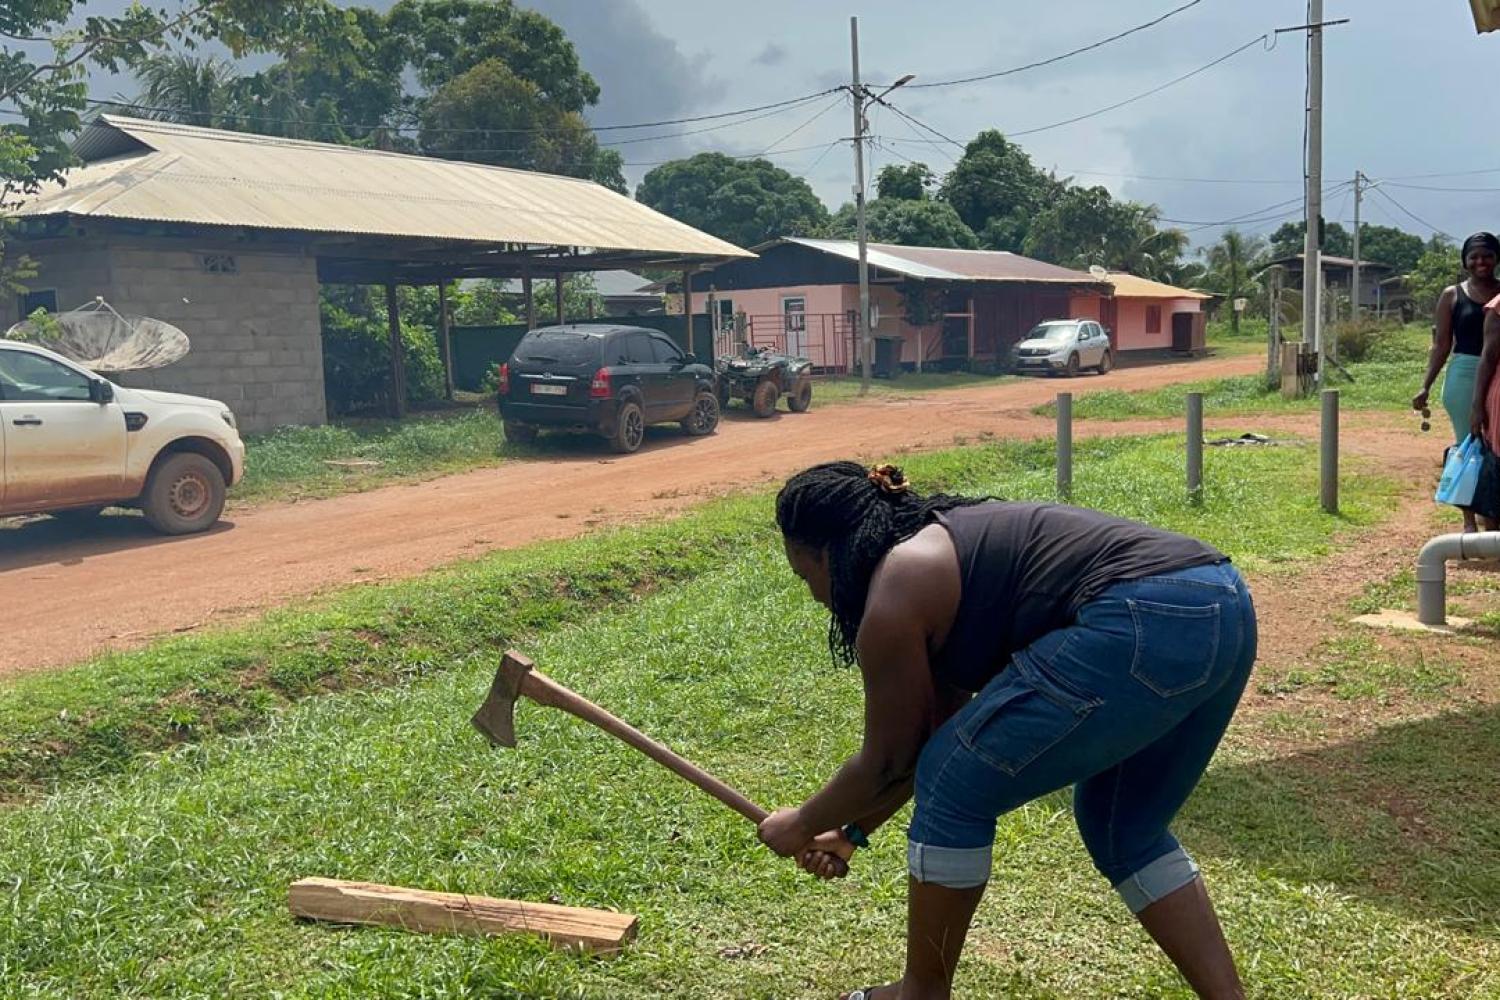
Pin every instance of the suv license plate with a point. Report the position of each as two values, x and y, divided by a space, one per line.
542 389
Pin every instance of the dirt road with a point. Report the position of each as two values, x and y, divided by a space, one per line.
118 586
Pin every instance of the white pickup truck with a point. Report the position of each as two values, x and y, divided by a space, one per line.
72 443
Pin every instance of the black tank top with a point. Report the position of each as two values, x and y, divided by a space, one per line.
1026 569
1468 324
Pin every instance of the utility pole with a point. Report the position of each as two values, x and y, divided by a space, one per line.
1359 193
1312 247
857 91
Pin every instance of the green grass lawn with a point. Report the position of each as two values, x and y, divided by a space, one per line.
1387 380
843 388
168 877
294 462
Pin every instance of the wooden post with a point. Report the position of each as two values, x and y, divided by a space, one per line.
1195 446
1273 333
971 327
1065 445
526 290
1329 451
398 352
687 310
557 296
446 326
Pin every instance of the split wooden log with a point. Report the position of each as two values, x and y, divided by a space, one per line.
598 931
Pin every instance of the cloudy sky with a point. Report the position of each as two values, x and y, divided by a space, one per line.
1407 94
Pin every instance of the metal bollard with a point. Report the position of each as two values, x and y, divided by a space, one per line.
1329 451
1065 445
1195 446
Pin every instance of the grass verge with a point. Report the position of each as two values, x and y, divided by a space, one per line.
1386 381
98 717
170 879
295 463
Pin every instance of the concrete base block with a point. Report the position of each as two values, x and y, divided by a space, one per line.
1406 621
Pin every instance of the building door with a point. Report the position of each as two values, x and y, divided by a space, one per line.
794 324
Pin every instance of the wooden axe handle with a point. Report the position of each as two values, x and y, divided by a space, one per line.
545 691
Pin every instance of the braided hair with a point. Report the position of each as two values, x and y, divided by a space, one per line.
857 514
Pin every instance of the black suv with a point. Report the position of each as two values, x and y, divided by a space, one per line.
612 380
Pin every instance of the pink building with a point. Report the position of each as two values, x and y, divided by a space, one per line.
802 296
1146 315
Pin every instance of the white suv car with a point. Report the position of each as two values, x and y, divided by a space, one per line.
72 443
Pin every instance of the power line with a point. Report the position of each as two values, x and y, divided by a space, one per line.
1250 218
1429 187
1262 39
1066 55
829 107
1421 221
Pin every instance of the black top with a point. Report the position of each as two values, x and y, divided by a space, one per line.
1468 324
1026 569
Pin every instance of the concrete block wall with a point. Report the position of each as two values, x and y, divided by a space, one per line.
257 343
77 274
256 339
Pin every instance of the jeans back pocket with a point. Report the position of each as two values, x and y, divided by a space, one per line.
1176 646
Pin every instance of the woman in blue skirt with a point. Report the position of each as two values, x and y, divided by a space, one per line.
1460 339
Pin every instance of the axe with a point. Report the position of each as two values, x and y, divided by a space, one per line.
518 677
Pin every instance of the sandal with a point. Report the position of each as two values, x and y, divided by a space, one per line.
864 994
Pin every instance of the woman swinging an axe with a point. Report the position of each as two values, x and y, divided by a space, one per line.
1008 650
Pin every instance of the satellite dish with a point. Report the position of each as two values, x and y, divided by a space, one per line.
1098 271
98 337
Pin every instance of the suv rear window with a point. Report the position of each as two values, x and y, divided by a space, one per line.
559 347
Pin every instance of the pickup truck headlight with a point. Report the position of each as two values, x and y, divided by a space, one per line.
229 419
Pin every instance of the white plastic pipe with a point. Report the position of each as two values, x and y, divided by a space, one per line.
1432 569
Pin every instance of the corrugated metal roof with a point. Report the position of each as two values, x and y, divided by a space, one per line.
1128 286
937 264
165 172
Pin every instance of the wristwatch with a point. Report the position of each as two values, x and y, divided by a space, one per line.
855 835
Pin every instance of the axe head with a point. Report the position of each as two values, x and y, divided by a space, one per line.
496 718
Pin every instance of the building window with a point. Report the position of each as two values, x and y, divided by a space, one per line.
220 263
43 298
1153 319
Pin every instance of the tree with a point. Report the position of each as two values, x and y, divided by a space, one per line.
909 183
447 38
1083 226
1288 241
488 114
1231 263
743 201
996 190
1435 270
923 223
1389 245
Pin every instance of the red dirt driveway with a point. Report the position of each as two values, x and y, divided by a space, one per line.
68 594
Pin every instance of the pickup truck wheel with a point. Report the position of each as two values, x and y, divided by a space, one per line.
630 428
518 433
184 494
705 415
764 401
801 397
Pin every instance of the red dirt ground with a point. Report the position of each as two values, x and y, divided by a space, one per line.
68 595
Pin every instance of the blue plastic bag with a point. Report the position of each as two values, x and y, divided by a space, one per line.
1461 473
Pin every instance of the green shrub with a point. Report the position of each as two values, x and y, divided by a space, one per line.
357 355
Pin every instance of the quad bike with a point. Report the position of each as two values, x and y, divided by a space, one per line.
758 376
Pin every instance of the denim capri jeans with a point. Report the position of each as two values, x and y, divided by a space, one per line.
1127 705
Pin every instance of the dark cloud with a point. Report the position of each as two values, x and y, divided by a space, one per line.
772 55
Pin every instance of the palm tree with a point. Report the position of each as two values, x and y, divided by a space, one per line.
1231 262
183 88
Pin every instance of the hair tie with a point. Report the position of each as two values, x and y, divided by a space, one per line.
889 479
